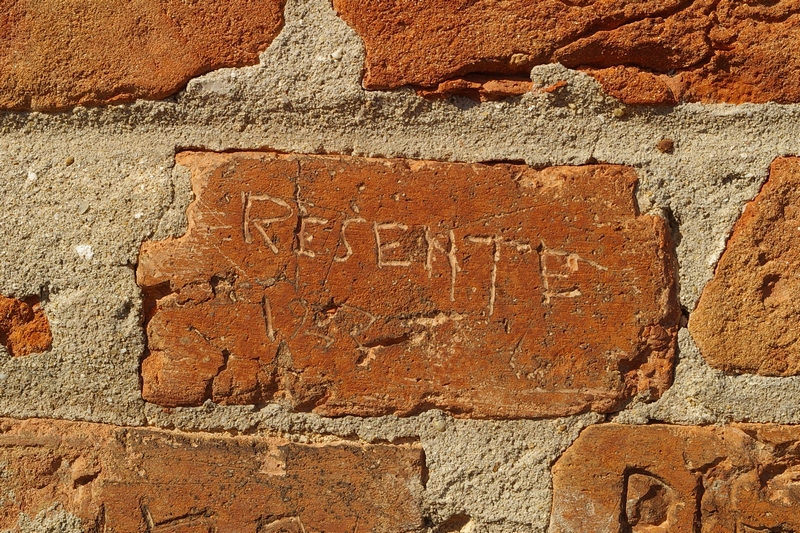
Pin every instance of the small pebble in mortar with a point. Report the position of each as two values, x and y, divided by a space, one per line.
666 145
85 251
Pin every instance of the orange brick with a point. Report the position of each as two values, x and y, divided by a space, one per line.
748 316
479 87
644 52
125 479
651 479
360 286
56 54
24 328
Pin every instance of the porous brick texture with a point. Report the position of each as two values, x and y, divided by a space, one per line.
24 328
748 316
118 479
355 286
56 54
395 266
642 52
740 478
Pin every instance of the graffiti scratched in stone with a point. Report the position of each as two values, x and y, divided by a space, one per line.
360 286
651 479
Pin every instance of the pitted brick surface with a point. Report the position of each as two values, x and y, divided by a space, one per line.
651 479
24 328
646 52
56 54
748 315
362 286
125 479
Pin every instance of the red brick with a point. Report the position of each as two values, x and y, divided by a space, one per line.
359 286
24 328
748 318
650 479
479 87
56 54
125 479
644 52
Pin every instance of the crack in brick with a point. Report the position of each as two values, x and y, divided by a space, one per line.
641 53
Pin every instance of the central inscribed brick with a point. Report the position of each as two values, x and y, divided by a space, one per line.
345 285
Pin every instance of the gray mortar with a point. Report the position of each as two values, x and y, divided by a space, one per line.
51 520
123 188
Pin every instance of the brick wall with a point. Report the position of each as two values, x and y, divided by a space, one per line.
453 266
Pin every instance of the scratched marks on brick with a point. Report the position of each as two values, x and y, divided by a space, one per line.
359 286
126 479
653 479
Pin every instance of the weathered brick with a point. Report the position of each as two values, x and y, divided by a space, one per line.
126 479
56 54
24 328
748 316
641 52
479 87
359 286
656 478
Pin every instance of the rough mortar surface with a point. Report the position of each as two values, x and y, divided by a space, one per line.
82 189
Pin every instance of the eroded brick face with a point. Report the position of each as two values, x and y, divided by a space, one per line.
56 54
24 328
124 479
652 479
642 52
358 286
748 315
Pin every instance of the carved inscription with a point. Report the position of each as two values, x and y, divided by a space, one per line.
357 286
736 479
